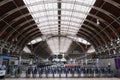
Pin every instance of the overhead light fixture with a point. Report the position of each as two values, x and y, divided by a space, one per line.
98 22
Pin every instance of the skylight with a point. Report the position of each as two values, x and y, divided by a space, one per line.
59 17
35 40
59 44
26 49
91 50
78 39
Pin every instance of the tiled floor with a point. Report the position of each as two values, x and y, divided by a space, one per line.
64 79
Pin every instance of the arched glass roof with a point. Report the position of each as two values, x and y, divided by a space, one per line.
59 17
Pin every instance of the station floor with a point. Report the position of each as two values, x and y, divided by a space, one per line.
62 79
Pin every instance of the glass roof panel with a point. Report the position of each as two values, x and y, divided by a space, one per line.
26 49
36 8
35 40
72 14
58 45
76 24
51 13
67 6
41 20
79 39
90 2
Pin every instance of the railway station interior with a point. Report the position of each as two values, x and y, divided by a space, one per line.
60 39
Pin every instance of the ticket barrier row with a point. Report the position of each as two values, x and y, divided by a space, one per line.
70 72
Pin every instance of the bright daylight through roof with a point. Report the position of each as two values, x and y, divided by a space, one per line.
59 17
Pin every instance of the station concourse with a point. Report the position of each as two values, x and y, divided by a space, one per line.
60 39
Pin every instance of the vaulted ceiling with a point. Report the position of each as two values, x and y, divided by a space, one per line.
96 21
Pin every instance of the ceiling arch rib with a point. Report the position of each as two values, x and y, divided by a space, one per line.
25 30
25 42
36 30
113 3
32 36
13 28
76 17
56 24
86 30
13 22
115 20
86 36
100 27
106 23
64 24
90 35
4 2
34 33
78 23
95 17
18 27
22 44
85 20
21 24
61 35
103 29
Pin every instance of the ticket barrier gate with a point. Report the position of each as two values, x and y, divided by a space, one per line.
35 73
70 73
63 72
89 72
76 72
109 72
49 73
60 72
83 72
43 73
29 73
96 72
32 73
103 72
